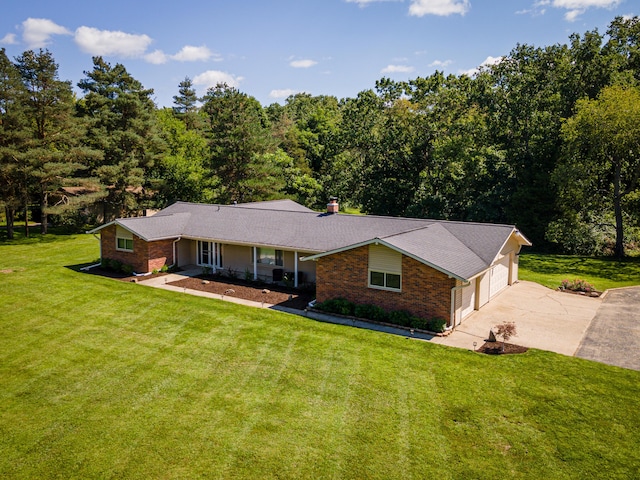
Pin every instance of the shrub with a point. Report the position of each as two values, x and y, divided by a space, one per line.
400 317
371 312
577 286
115 265
340 306
154 271
105 263
437 324
126 269
207 270
164 268
506 330
417 322
248 275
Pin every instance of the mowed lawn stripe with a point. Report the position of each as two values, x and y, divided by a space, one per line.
104 379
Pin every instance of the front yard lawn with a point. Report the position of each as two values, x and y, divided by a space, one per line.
106 379
602 272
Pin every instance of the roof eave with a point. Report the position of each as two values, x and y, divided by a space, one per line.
378 240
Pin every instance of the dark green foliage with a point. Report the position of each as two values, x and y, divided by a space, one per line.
126 269
120 114
436 325
417 322
371 312
340 306
400 317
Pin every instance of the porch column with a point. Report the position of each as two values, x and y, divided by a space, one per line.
295 269
255 263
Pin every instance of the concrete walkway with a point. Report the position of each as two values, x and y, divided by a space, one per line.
614 334
545 319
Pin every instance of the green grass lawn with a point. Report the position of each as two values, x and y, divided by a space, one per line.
106 379
602 272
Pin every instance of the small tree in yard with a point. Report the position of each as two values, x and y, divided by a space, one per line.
505 331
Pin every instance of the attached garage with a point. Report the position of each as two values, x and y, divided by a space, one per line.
469 299
499 276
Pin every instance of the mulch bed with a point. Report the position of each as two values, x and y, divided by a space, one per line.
277 295
273 294
495 348
593 294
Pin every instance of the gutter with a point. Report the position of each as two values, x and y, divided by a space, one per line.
452 317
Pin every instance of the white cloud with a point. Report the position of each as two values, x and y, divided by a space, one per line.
440 63
284 93
211 78
487 63
574 8
364 3
572 15
303 63
190 53
186 54
157 57
37 32
110 42
420 8
9 39
397 69
581 4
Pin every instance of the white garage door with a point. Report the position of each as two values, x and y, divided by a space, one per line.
469 298
499 276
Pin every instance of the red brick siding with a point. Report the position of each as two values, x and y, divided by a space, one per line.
426 292
146 256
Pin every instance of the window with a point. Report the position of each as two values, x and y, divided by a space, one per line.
124 239
209 254
125 244
269 256
385 268
390 281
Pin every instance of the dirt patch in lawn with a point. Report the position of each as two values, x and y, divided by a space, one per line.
495 348
271 294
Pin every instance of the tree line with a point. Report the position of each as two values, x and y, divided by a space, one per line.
548 139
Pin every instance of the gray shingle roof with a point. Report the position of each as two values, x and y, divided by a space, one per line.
459 248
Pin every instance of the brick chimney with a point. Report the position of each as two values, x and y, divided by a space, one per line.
332 206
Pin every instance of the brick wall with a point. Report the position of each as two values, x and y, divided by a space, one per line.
146 256
426 292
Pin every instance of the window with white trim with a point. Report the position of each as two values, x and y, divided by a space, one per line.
269 256
385 268
124 240
209 254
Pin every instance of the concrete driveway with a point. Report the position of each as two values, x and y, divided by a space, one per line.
614 334
544 318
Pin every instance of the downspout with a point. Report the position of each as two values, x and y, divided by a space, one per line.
295 269
452 318
174 252
89 267
100 242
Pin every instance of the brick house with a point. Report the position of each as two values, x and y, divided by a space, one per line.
430 268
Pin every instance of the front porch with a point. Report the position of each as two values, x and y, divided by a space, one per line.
247 262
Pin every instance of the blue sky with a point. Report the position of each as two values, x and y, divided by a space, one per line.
270 49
